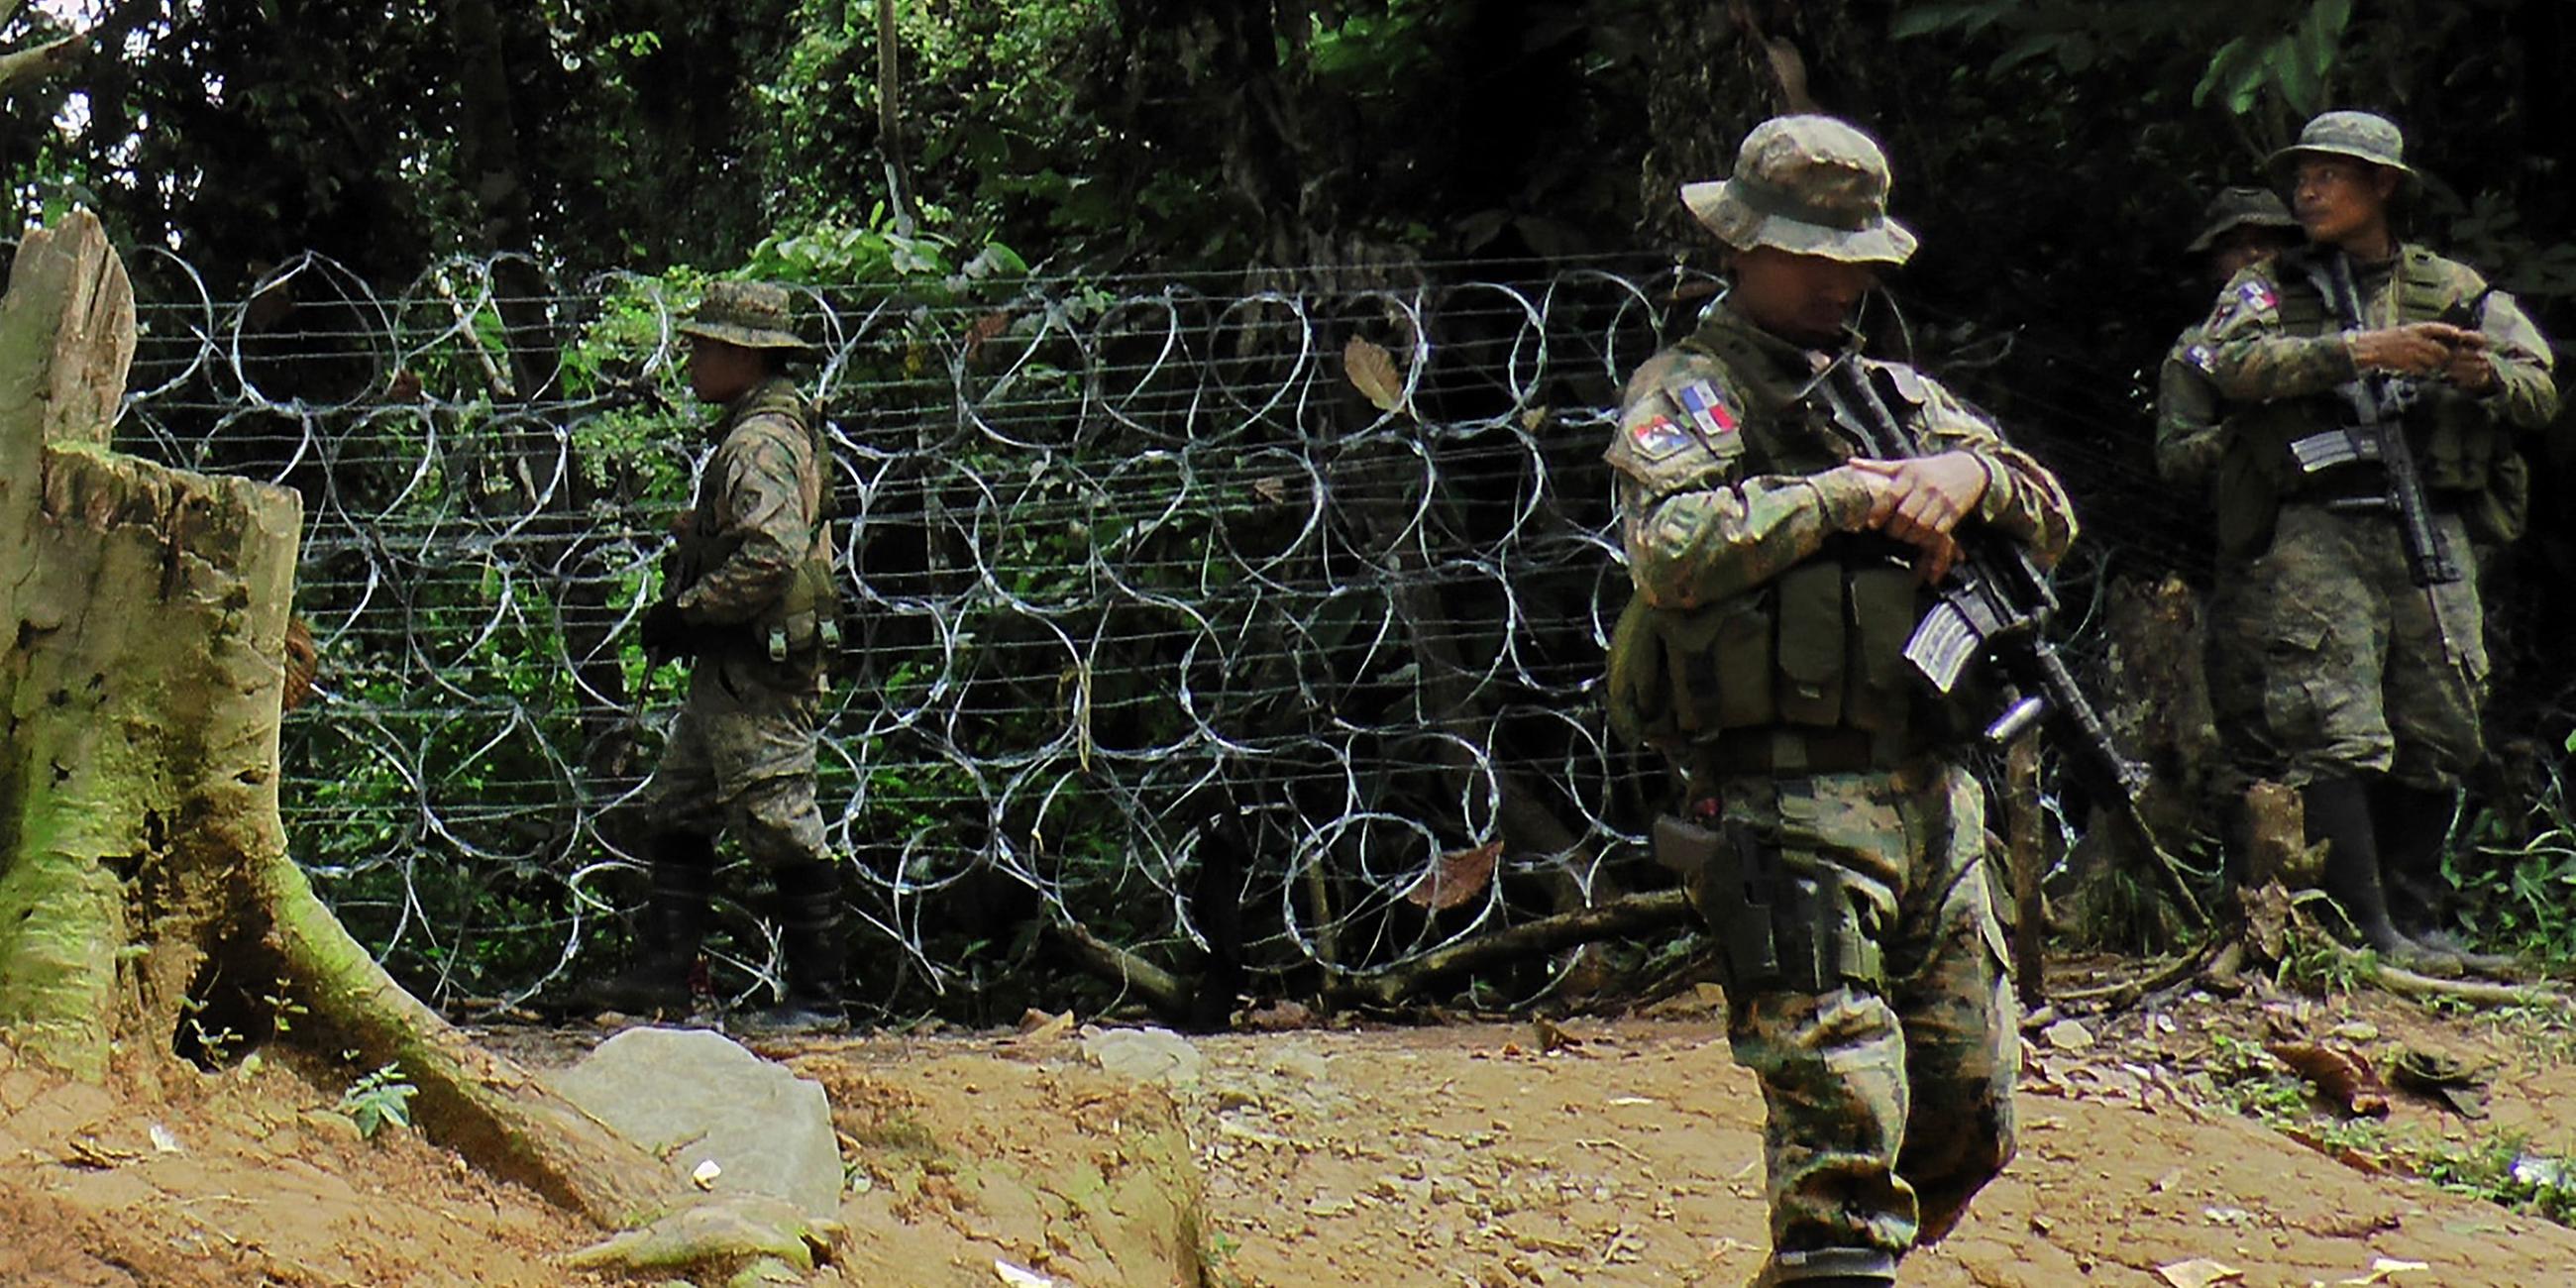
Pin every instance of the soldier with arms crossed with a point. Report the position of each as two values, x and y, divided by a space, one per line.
1831 838
2372 655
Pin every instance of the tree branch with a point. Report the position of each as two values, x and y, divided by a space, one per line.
36 62
1655 910
1167 993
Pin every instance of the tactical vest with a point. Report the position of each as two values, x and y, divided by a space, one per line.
1819 648
2467 460
806 616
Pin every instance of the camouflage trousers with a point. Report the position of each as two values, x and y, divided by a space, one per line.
741 760
1888 1106
2327 661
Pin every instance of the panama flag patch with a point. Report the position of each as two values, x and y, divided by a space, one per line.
1708 409
2259 296
1658 436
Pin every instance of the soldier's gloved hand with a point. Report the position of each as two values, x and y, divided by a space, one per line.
2416 349
665 631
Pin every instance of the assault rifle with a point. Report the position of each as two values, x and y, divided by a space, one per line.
1995 605
2377 432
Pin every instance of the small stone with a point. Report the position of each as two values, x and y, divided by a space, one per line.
2067 1035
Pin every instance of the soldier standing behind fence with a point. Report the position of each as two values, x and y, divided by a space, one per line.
747 595
2372 653
1831 837
2241 227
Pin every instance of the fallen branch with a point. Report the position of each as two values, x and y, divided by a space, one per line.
1167 993
1623 916
2173 971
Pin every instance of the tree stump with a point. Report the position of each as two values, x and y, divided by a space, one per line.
146 894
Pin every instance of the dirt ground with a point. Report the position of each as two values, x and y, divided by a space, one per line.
1490 1155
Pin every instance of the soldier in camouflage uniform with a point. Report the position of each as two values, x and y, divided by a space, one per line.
747 593
1832 838
2240 228
2370 684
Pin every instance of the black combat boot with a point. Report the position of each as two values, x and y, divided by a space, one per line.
656 982
815 953
2338 814
2412 824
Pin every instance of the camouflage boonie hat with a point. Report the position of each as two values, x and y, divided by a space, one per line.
2234 208
2362 136
1812 185
755 315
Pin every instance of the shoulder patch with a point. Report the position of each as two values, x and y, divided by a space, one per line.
1707 407
1656 436
2258 295
2201 357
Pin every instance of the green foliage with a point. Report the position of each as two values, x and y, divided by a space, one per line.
378 1100
2284 49
2520 892
2508 1171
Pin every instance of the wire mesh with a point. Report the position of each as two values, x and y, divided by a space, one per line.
1155 621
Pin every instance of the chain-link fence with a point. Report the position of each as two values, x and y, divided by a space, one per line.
1241 628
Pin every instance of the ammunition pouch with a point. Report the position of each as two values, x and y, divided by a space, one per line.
1784 921
1820 647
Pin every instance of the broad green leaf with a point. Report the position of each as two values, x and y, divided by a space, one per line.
2221 65
2289 68
2331 17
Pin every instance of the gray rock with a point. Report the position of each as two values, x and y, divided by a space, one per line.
1144 1055
688 1096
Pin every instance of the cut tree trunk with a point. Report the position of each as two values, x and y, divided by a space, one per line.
149 911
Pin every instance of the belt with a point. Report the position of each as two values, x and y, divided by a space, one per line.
1798 751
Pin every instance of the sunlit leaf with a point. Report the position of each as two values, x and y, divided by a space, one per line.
2221 65
1372 371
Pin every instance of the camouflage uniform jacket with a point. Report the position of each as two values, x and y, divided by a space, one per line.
757 539
1724 469
2188 412
1712 507
2270 339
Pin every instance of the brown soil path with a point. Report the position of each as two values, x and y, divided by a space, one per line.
1484 1155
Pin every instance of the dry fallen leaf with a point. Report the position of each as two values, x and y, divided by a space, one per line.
2345 1078
1459 876
985 328
2200 1272
1037 1026
1372 371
